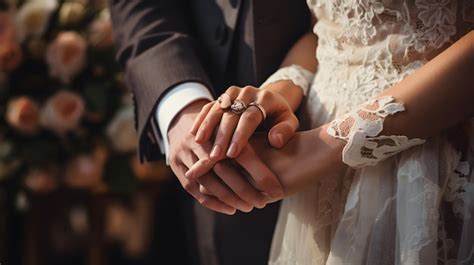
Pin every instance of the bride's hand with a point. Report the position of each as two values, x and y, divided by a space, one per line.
235 129
306 157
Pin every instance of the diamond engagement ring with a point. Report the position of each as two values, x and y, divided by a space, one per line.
259 107
238 107
224 101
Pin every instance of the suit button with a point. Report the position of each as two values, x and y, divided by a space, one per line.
221 34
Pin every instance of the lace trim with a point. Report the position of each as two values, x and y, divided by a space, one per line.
295 73
360 128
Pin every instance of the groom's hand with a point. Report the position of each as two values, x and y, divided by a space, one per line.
224 185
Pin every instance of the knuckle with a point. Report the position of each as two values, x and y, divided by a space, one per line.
233 89
266 95
248 90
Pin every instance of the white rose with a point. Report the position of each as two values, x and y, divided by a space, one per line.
121 131
33 17
66 56
71 13
62 112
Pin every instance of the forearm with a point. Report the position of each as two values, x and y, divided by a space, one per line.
436 97
303 54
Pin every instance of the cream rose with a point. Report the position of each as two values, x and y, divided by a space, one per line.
62 112
121 131
23 114
71 13
66 56
33 17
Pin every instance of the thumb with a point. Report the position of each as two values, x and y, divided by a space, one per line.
283 130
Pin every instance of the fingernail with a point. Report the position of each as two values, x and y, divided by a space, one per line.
188 174
245 207
280 138
216 151
199 137
232 152
231 211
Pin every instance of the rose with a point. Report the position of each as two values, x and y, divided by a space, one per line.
33 17
10 56
86 171
10 51
71 13
121 131
7 31
62 112
23 115
100 33
41 180
66 56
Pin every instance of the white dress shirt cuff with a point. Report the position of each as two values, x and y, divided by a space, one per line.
175 100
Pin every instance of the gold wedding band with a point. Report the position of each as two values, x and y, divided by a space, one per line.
259 107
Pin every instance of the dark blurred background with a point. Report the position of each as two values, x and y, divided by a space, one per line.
72 190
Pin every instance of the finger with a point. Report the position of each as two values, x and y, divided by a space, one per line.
180 166
202 114
224 134
211 183
250 120
284 129
239 184
248 94
213 118
263 178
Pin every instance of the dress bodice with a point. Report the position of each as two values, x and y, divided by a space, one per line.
365 46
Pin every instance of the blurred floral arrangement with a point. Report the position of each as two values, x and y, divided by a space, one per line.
66 117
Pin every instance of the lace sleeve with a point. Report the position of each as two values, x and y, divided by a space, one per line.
295 73
361 129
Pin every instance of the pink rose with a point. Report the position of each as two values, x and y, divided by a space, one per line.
41 180
10 51
7 31
100 33
23 115
62 112
86 171
10 56
66 56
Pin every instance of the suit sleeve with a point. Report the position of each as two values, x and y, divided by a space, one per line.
155 45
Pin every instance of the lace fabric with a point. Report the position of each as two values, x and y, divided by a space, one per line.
361 130
295 73
411 208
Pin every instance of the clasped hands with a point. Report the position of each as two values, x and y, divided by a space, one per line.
212 158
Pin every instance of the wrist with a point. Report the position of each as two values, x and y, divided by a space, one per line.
290 92
185 118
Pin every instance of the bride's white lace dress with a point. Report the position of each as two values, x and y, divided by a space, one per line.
414 208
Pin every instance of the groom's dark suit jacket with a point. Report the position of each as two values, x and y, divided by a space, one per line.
219 43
